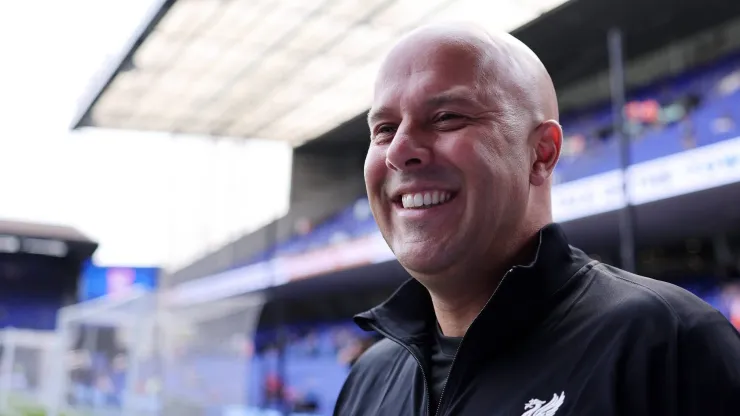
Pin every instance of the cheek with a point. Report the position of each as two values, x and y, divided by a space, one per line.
476 156
505 160
491 166
375 171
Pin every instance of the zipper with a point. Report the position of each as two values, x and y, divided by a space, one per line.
452 365
427 395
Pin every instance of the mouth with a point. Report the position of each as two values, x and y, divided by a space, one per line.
424 200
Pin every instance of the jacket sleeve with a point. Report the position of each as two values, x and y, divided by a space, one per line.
709 368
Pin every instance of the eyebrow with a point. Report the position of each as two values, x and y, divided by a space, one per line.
377 114
461 96
455 96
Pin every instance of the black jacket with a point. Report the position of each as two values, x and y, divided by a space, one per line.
565 335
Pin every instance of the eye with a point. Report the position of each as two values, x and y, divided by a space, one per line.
386 128
447 117
449 121
384 132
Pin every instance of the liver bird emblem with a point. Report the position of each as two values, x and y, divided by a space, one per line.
536 407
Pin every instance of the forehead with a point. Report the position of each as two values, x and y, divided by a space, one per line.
418 70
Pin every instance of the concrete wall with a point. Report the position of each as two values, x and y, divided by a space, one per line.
329 180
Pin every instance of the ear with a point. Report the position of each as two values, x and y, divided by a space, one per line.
547 141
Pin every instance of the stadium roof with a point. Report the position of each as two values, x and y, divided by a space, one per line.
289 70
27 229
76 244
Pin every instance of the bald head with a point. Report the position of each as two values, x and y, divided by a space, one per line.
463 125
503 68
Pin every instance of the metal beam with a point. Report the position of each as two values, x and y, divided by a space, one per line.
626 214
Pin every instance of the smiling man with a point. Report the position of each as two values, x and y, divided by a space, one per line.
502 316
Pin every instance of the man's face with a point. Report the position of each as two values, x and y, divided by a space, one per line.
447 171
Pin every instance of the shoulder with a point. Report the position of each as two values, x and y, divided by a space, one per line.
642 310
669 334
377 358
371 373
652 301
662 310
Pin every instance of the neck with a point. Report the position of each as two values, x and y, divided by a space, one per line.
455 312
456 306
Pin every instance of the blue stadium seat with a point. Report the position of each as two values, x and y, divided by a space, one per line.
657 143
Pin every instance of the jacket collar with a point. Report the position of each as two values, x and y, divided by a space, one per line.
525 296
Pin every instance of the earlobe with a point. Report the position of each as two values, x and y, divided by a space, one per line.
539 174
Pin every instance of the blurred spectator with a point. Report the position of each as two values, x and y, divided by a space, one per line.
273 391
81 377
574 145
672 113
649 114
644 112
103 393
731 294
303 226
723 124
690 102
305 402
688 133
341 338
119 366
311 344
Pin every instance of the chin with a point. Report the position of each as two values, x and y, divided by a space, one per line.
428 262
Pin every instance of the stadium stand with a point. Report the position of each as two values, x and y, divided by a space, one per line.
695 109
39 269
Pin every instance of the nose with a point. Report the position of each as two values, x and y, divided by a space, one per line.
407 152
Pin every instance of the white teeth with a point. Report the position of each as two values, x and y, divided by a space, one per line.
427 199
421 199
